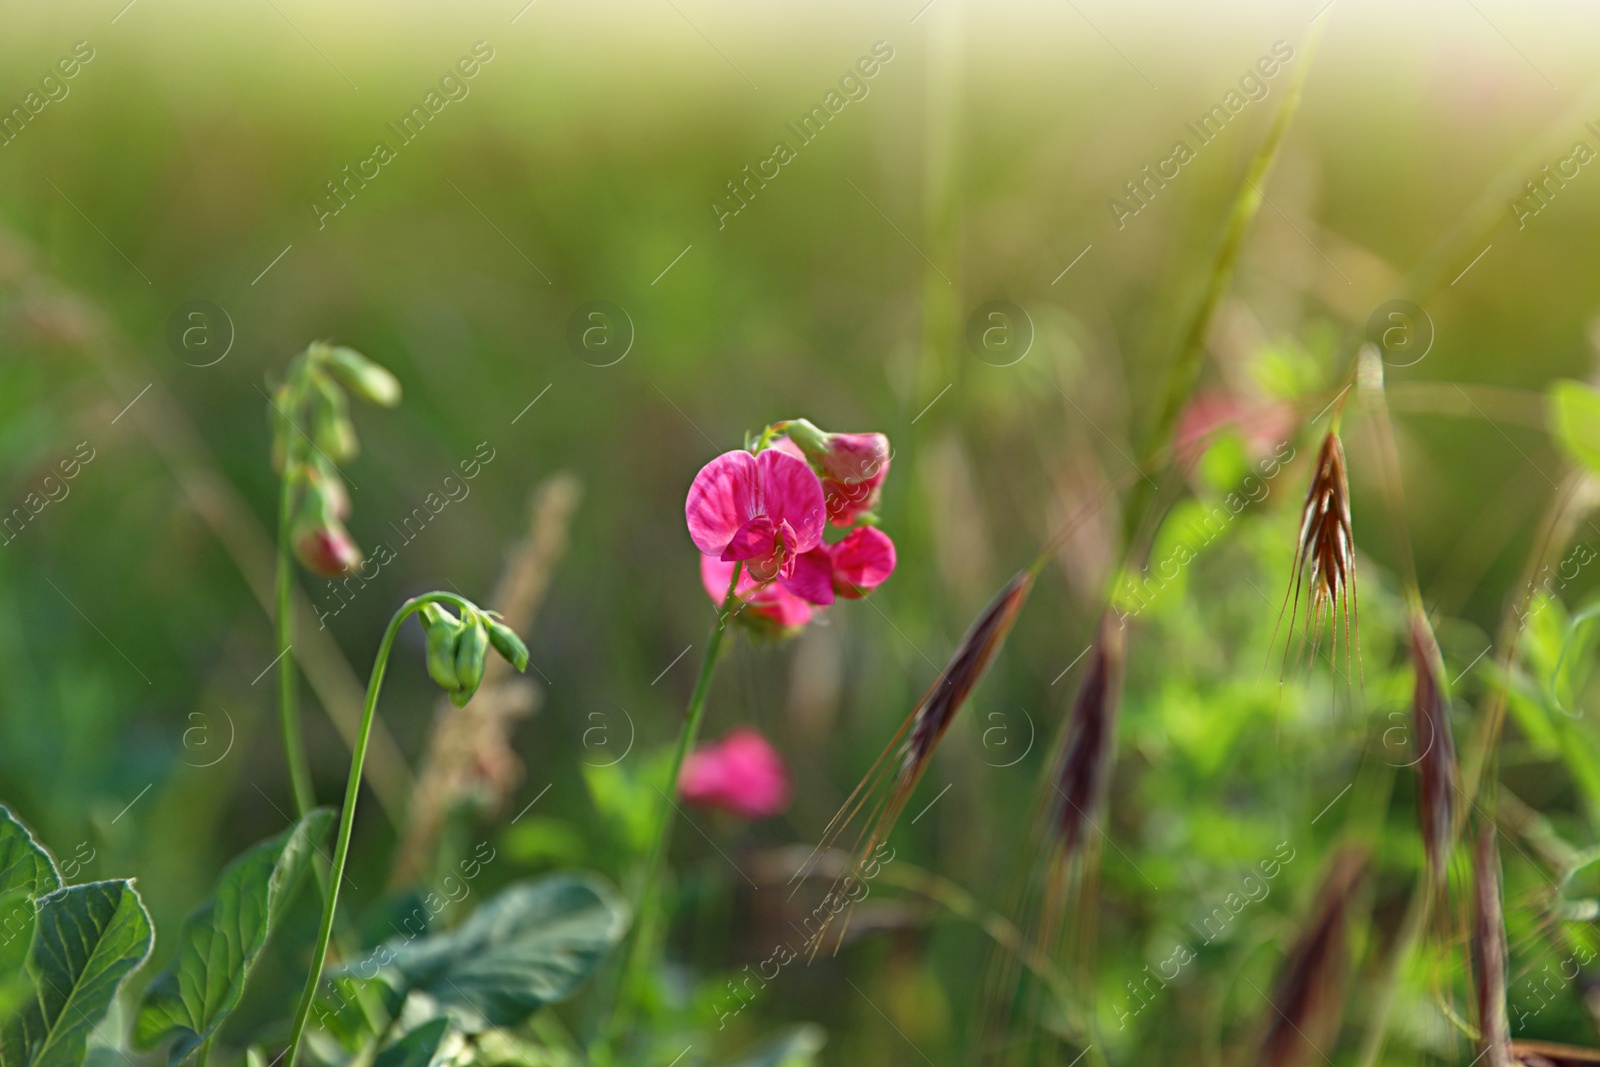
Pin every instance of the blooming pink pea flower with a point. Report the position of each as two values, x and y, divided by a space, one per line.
768 607
861 562
852 478
742 774
765 510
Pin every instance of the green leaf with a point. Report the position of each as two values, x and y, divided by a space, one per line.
1575 420
222 939
418 1048
529 946
793 1048
88 939
25 866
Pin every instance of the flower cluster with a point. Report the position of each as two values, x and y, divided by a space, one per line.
311 435
765 510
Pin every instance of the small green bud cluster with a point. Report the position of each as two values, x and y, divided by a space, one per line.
312 434
458 648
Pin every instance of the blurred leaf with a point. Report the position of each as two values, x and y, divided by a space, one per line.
416 1049
25 865
792 1048
529 946
222 938
1575 421
544 839
626 800
88 939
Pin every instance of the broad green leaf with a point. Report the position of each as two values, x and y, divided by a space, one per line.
88 939
529 946
24 864
1575 421
222 939
793 1048
418 1048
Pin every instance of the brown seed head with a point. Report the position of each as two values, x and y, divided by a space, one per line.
1309 995
1489 953
1436 759
1084 764
1325 553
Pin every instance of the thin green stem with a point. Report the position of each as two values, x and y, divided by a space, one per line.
649 905
294 749
347 816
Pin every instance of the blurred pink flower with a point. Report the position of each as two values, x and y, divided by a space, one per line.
1262 426
326 550
861 562
769 607
742 774
765 510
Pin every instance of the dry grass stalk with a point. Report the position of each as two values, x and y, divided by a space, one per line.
1308 997
1437 772
1489 953
1084 764
894 775
1549 1054
469 760
1325 556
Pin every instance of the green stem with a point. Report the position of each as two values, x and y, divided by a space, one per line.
347 816
649 906
294 749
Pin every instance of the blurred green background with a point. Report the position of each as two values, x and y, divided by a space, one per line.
582 165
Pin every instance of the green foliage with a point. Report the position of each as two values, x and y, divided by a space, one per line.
1575 421
796 1047
530 945
222 939
418 1048
88 939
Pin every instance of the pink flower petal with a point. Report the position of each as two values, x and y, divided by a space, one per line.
812 578
742 774
790 492
725 495
862 562
770 604
756 539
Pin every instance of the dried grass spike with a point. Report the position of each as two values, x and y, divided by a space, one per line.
1308 997
1084 765
888 785
1489 953
1325 556
1436 761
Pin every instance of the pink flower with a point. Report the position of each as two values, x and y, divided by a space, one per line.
742 774
765 510
852 466
861 562
768 607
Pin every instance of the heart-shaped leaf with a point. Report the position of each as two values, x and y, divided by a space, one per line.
25 866
529 946
418 1048
1575 421
222 939
88 938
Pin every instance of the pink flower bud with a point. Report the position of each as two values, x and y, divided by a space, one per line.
327 550
742 774
847 458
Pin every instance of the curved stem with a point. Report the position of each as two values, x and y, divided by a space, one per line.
649 907
294 749
347 816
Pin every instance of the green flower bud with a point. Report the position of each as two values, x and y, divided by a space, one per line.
362 376
331 428
472 649
508 644
444 631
